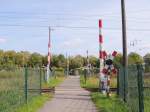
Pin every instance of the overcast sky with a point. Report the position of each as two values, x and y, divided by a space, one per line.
24 25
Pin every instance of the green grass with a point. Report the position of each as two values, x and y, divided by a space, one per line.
147 103
104 104
12 94
34 104
56 81
113 104
39 101
11 89
147 94
113 82
92 82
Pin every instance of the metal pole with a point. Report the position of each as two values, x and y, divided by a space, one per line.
67 64
124 41
40 80
49 48
140 88
26 85
88 63
100 55
49 56
118 83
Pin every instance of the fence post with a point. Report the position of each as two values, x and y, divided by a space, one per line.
140 88
85 76
118 82
40 80
26 84
44 75
125 77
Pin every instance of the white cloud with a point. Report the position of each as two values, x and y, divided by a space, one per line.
73 43
146 45
2 40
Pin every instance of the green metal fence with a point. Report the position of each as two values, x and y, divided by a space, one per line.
11 89
121 84
32 82
133 90
146 92
19 86
137 86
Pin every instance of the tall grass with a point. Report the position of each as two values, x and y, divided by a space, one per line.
147 93
12 95
104 104
36 103
111 104
11 90
91 82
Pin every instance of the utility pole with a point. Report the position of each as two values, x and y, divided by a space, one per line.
49 56
124 41
88 63
67 64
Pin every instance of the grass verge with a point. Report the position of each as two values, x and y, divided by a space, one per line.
91 82
55 81
38 101
34 104
104 104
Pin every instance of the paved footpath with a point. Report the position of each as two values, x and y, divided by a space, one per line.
70 97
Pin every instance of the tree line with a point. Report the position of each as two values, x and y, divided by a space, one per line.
10 59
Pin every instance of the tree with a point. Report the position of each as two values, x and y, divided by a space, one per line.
118 60
1 56
79 60
9 57
19 59
94 61
134 58
76 62
26 56
61 61
147 62
55 61
44 60
147 59
35 60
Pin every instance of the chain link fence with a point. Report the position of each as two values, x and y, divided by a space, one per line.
11 89
19 86
135 89
121 83
146 81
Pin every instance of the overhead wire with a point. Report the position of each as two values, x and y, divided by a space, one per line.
73 27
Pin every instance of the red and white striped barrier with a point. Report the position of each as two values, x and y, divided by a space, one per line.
101 60
106 64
